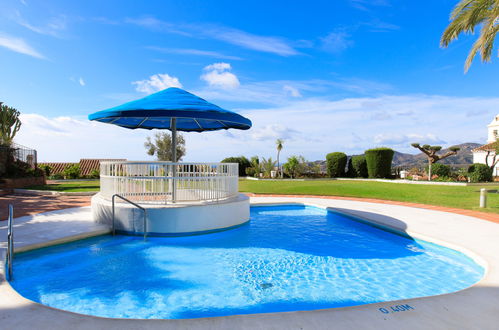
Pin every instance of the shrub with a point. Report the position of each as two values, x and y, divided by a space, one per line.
479 173
441 170
242 161
47 169
335 164
56 176
359 166
379 162
350 171
294 167
72 171
94 174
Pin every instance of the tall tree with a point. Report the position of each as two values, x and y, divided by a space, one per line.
162 146
465 18
431 153
279 143
9 124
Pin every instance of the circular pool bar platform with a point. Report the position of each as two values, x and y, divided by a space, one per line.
172 219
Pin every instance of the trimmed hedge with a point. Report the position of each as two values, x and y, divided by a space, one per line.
379 162
440 169
335 164
359 166
242 161
479 173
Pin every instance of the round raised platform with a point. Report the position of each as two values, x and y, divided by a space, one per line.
173 219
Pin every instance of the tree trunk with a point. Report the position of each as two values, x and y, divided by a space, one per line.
429 169
278 164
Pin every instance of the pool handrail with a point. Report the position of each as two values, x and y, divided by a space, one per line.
10 242
134 204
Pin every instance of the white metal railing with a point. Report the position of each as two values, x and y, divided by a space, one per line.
166 182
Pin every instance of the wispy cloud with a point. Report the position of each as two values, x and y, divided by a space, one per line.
18 45
341 124
267 44
156 83
366 4
196 52
79 81
248 40
53 27
337 41
218 75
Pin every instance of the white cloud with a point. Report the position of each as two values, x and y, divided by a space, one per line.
402 140
19 46
53 27
196 52
218 75
311 127
337 41
272 132
81 81
267 44
244 39
294 92
156 82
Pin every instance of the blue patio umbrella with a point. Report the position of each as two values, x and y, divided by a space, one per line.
173 109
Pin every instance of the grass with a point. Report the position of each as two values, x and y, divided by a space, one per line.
463 197
450 196
73 186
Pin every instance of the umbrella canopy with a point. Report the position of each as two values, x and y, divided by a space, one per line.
173 109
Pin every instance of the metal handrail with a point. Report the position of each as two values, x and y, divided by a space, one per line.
134 204
10 242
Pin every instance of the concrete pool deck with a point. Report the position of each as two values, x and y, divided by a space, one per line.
474 308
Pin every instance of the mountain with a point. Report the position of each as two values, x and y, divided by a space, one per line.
463 158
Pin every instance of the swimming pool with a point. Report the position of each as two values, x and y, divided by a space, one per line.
287 258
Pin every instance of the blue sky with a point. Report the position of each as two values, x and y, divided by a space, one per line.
325 76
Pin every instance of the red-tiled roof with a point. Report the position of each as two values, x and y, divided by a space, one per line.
86 165
89 165
57 168
487 147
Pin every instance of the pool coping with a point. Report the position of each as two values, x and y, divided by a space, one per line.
458 310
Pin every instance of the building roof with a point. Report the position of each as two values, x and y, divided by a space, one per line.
86 165
487 147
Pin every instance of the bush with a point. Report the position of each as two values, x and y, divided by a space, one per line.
335 164
56 176
47 169
243 162
359 166
441 170
379 162
94 174
350 172
72 171
479 173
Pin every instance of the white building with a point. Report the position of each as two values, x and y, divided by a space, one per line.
486 153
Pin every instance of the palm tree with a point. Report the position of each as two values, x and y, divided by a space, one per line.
466 16
279 143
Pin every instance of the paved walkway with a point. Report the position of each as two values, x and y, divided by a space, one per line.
29 205
472 308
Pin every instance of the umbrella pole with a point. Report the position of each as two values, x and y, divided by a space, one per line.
174 158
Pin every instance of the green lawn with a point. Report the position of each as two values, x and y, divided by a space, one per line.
73 186
451 196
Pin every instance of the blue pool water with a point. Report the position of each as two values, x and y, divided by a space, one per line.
287 258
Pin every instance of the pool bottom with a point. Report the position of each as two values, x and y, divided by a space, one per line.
288 258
